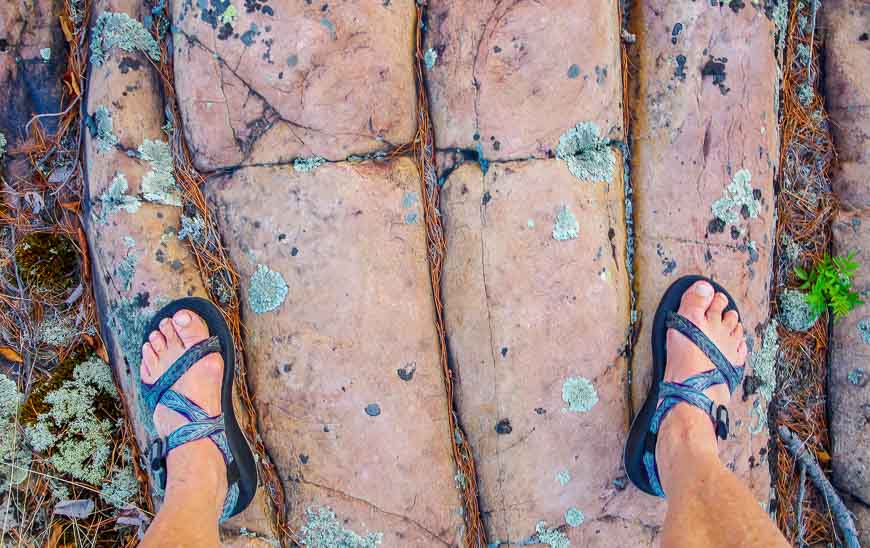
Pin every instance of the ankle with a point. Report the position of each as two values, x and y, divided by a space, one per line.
196 472
686 435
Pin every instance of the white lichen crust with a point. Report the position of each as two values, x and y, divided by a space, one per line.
267 290
580 394
120 30
737 196
323 530
565 226
589 157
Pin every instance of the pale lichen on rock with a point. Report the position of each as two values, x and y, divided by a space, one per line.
115 198
580 394
430 58
574 517
120 30
864 329
2 145
304 165
738 199
158 185
103 130
565 225
563 477
764 361
192 228
794 311
322 529
266 290
589 157
554 538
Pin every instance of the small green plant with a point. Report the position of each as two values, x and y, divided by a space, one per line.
829 285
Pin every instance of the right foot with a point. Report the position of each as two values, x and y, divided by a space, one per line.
703 307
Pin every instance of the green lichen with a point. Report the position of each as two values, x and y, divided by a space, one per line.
563 477
864 329
794 311
565 226
80 442
764 361
323 530
574 517
304 165
115 199
229 15
14 459
158 185
122 488
119 30
580 394
589 157
105 136
738 199
267 290
554 538
430 58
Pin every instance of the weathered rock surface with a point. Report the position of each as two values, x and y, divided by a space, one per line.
848 97
139 263
704 113
265 82
536 304
32 62
508 78
344 357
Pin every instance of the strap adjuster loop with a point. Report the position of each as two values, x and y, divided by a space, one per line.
721 422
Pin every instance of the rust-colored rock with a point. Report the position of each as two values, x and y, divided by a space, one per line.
266 82
343 356
704 119
536 303
508 78
32 62
139 262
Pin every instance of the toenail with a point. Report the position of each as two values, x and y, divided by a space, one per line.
182 319
144 347
703 289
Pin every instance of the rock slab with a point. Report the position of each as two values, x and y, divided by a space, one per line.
344 363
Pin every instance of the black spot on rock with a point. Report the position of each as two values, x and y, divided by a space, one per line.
4 44
680 71
504 427
675 33
496 49
670 265
735 233
406 373
225 32
863 37
176 264
736 5
294 251
504 351
496 145
303 458
715 67
487 197
540 411
716 225
373 410
282 237
751 384
129 63
574 71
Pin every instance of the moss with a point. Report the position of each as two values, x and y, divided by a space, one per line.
304 165
580 395
589 157
794 311
158 185
114 199
554 538
47 262
323 530
574 517
738 198
104 129
430 58
764 361
563 477
120 30
267 290
35 404
565 226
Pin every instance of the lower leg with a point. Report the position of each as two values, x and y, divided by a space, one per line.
708 506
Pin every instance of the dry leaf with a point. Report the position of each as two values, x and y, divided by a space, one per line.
10 354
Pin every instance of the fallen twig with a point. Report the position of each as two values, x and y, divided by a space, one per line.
814 471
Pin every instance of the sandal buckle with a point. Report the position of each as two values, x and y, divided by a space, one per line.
157 457
722 422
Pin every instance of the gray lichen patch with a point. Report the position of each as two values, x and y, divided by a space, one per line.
589 157
856 376
267 290
563 477
864 329
192 228
738 199
115 198
304 165
126 270
11 449
554 538
764 361
104 132
580 394
2 145
323 530
574 517
430 58
158 185
794 311
120 30
565 226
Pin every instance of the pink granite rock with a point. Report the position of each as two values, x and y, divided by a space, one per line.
705 140
511 77
265 82
344 363
537 312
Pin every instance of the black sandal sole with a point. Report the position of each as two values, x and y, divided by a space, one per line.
243 465
635 445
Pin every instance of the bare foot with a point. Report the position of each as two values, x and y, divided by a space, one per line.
197 465
686 424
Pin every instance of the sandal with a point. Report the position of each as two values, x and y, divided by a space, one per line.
640 447
221 429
